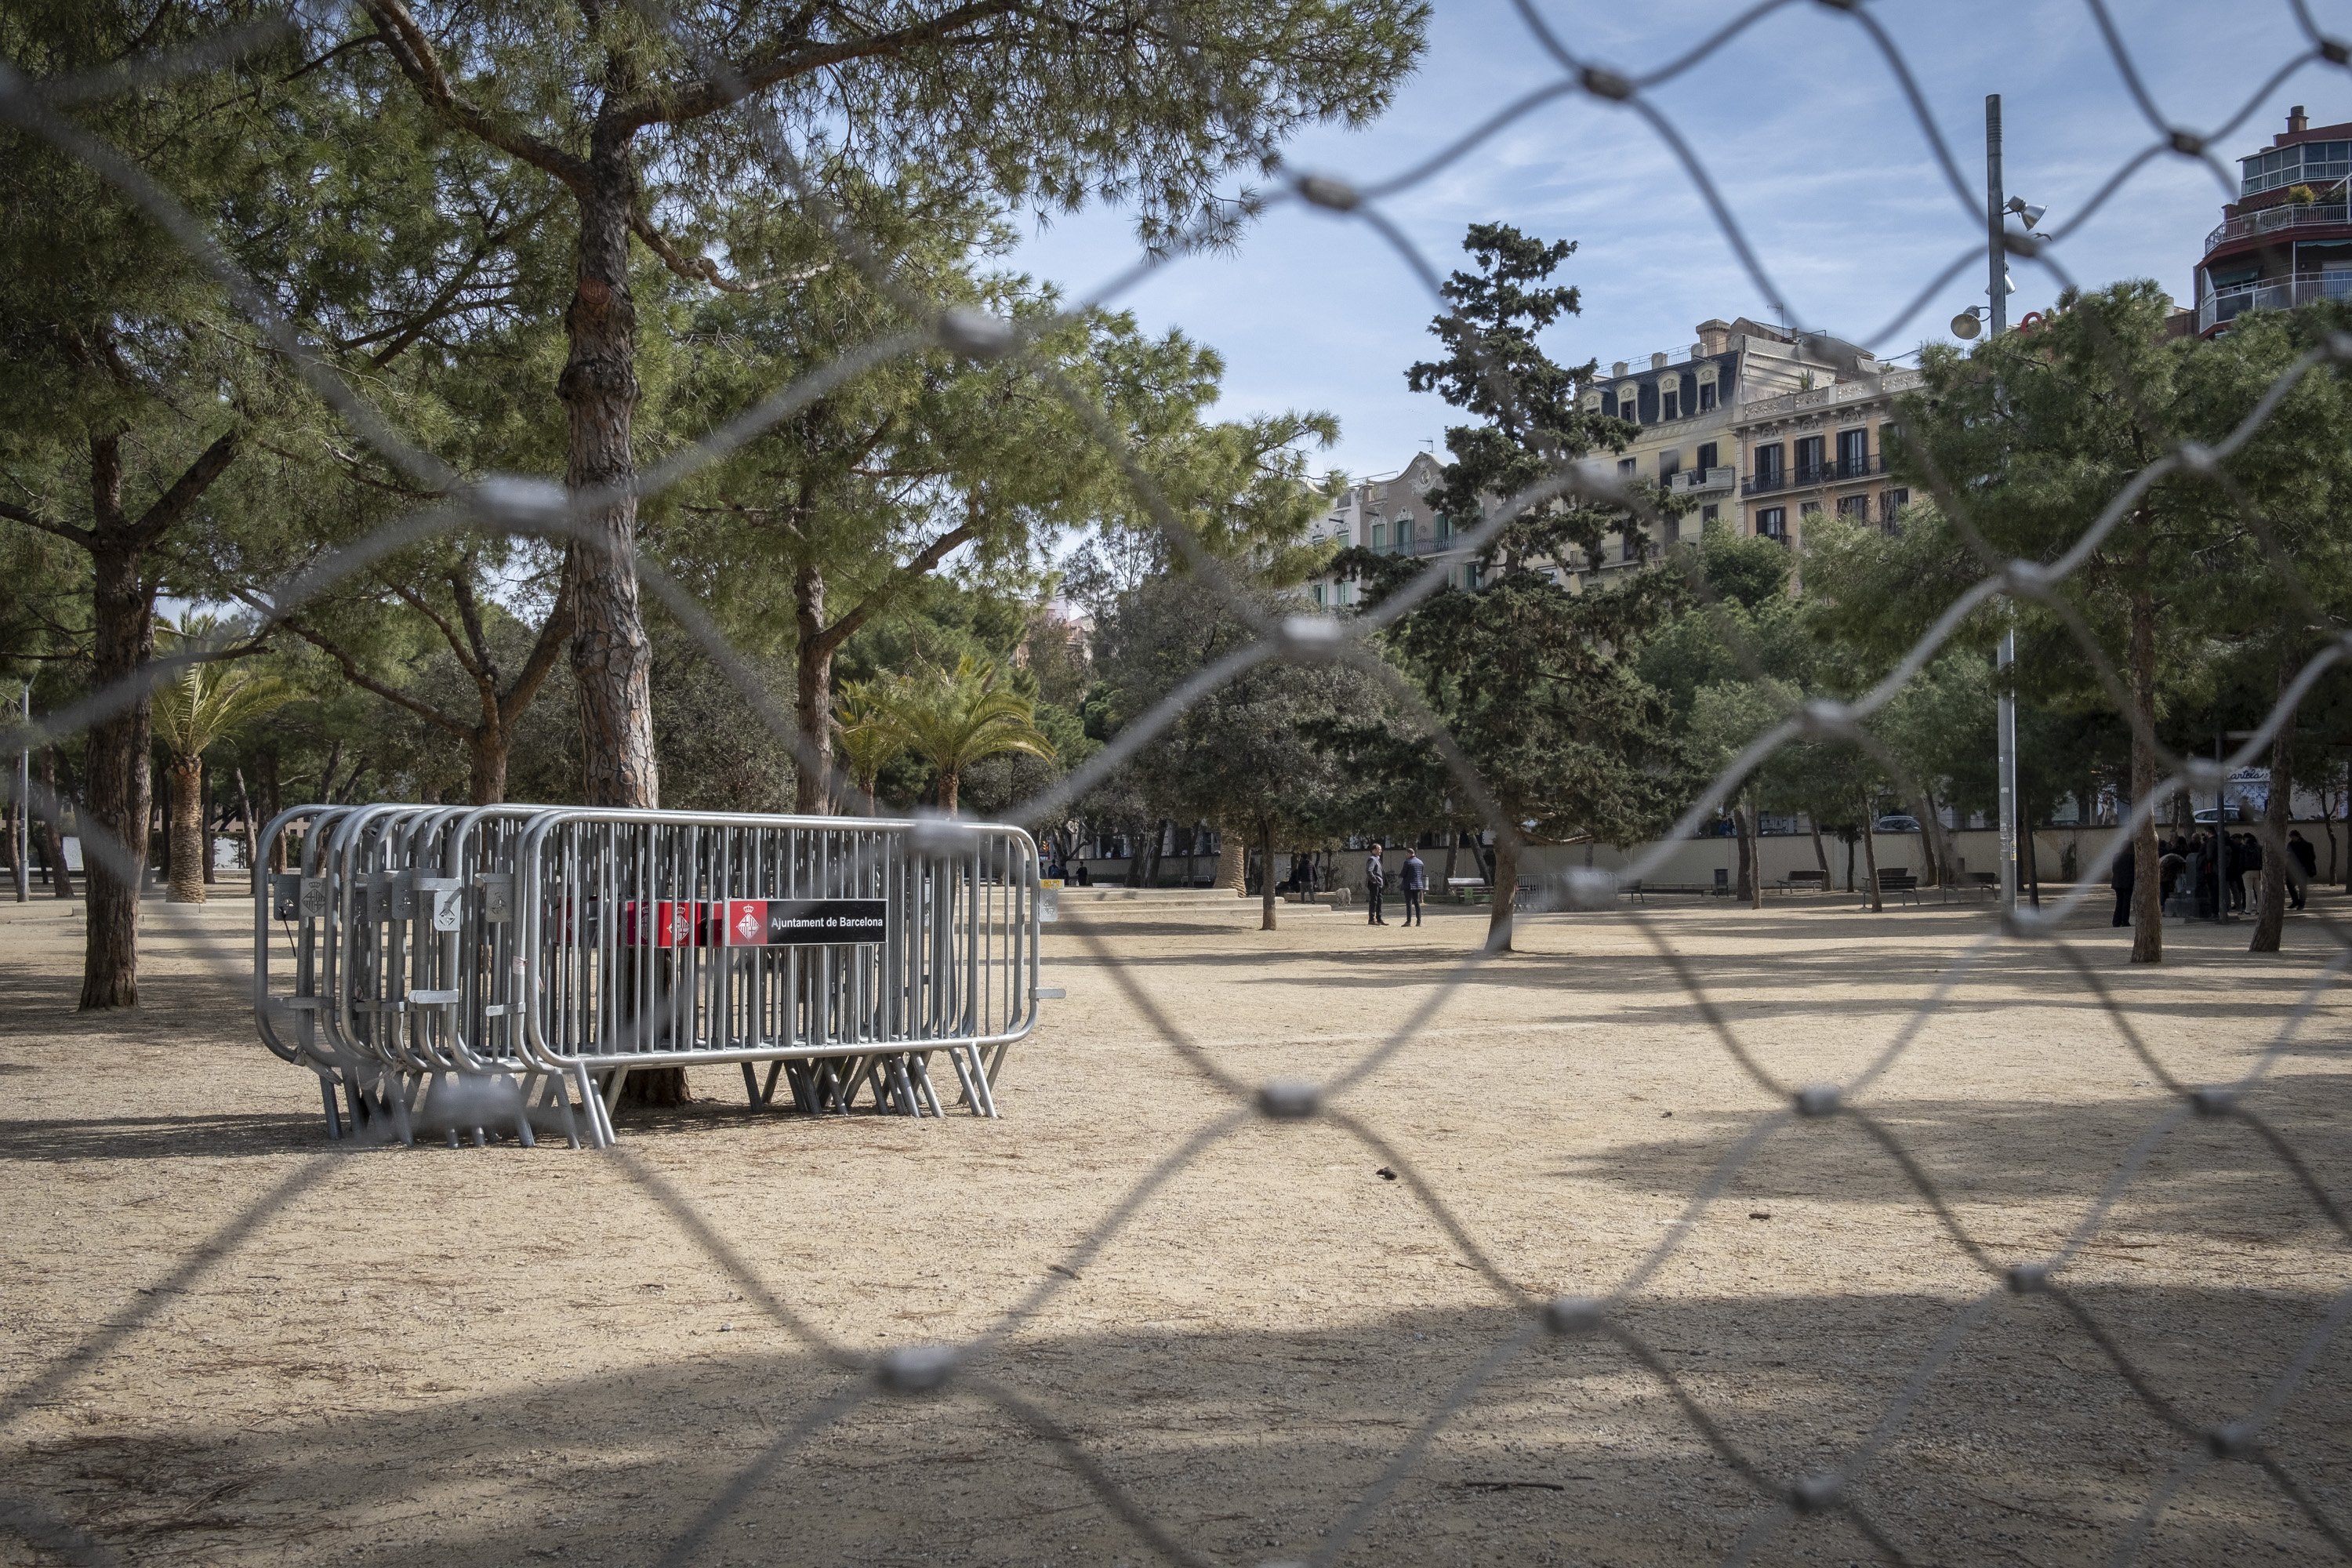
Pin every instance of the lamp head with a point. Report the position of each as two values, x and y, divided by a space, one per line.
1965 325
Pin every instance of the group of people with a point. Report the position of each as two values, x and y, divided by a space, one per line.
2209 870
1413 881
1081 877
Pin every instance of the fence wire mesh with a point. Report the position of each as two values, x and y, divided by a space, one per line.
1605 1320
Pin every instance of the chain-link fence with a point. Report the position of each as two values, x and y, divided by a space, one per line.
1607 1321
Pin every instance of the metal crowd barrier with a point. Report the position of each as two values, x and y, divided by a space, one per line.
503 969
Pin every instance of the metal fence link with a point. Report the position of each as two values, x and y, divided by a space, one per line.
379 995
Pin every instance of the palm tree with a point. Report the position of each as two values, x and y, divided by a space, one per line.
870 737
952 720
203 703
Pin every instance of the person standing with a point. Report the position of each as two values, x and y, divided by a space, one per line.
1412 880
2123 879
2302 866
1375 879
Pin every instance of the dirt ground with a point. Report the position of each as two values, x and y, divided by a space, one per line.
224 1341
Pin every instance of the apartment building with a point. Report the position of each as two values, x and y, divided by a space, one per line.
1789 427
1388 515
1821 449
2287 239
1752 426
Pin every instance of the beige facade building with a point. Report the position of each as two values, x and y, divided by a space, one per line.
1750 426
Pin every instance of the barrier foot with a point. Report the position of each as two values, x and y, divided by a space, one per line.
335 1112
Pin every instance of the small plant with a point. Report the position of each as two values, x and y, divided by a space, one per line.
2301 196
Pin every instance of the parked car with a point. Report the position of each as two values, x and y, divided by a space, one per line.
2212 814
1898 821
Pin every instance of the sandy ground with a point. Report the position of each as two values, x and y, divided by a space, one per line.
226 1341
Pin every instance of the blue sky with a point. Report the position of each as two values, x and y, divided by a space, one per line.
1804 128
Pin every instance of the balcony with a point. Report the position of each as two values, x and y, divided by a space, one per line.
2279 220
1701 481
2223 305
1813 476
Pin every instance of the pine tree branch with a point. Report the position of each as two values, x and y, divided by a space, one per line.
784 57
414 54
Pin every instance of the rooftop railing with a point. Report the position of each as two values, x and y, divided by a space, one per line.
2275 220
2228 304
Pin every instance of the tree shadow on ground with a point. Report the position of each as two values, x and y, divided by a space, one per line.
1243 1445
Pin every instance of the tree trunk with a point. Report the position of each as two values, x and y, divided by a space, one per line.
252 828
1870 856
273 800
486 766
2147 896
2269 913
204 836
1503 911
1452 849
116 792
949 783
187 830
1265 918
53 836
812 693
1233 860
1756 859
1747 855
611 658
1821 852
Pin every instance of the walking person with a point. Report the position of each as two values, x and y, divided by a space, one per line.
1412 879
2123 879
1375 879
2303 869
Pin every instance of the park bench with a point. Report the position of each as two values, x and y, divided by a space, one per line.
1897 879
1640 891
1971 882
1812 881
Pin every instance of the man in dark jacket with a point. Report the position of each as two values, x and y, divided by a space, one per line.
2123 879
2304 869
1375 879
1414 879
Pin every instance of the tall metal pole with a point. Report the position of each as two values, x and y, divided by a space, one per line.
1996 291
24 829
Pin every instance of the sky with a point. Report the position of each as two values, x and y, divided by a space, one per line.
1804 128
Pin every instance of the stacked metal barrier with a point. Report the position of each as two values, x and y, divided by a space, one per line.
477 970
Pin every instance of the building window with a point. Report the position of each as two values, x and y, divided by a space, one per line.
1707 455
1772 522
1625 468
1648 403
1890 441
1688 387
1892 501
1809 459
1673 405
1380 540
1706 396
1767 467
1474 575
1809 508
1670 463
1404 536
1630 548
1707 514
1340 593
1608 404
1341 538
1674 531
1445 528
1855 506
1319 595
1853 454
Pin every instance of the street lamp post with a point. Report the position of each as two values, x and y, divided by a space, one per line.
1996 291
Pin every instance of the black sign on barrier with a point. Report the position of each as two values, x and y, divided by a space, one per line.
793 922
